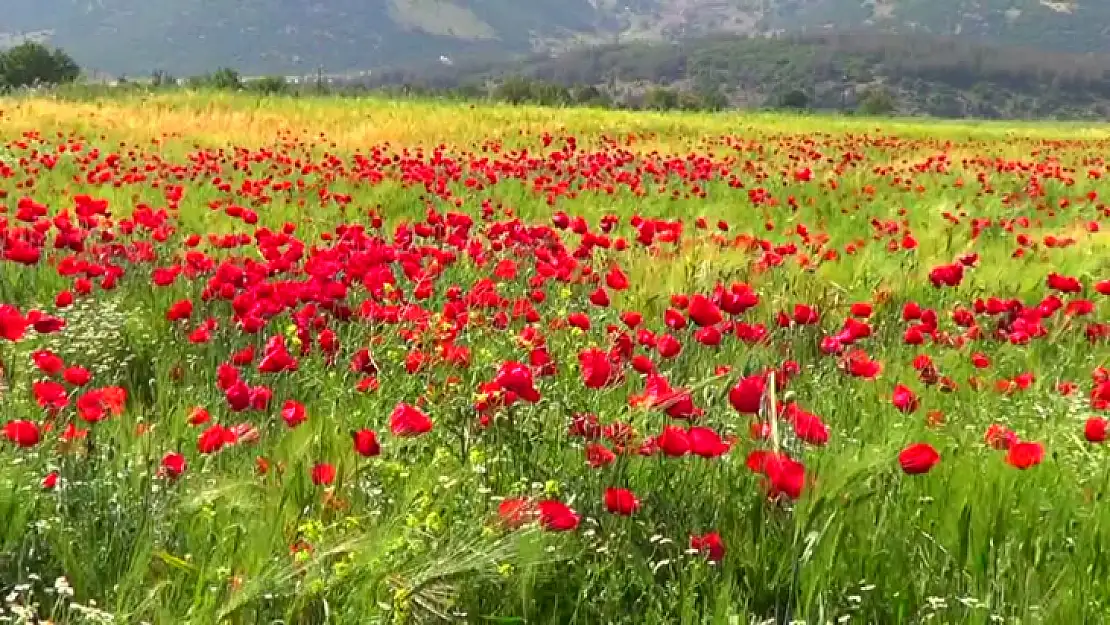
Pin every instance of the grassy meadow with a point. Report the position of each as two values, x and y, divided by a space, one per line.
361 361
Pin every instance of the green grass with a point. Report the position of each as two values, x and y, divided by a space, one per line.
412 535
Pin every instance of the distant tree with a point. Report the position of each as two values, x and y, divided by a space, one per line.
269 85
877 101
710 98
514 90
661 99
587 95
199 82
708 86
794 99
471 90
161 78
225 78
32 63
550 94
689 101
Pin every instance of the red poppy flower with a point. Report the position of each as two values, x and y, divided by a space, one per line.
616 279
703 312
517 378
515 513
12 323
1000 437
668 346
807 426
22 433
50 395
76 376
632 319
173 465
918 458
92 407
784 475
1064 284
709 544
746 396
600 298
556 516
579 320
805 315
180 310
47 362
674 319
214 438
323 474
293 413
408 421
366 443
1023 455
642 364
673 442
861 309
198 416
597 368
276 358
1095 430
706 442
904 399
860 365
621 501
598 455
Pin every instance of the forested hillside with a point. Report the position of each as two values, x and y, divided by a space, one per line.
922 74
297 36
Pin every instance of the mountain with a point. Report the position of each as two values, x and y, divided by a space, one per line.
915 73
297 36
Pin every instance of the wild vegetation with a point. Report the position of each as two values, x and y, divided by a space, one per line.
33 64
187 37
369 361
916 74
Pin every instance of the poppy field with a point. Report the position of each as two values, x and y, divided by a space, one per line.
313 361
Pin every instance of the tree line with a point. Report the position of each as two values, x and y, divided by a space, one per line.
865 70
32 64
868 72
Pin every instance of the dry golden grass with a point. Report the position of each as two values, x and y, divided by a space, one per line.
248 120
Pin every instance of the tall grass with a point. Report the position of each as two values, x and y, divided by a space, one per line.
413 536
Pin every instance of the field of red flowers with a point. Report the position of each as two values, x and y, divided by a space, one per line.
573 375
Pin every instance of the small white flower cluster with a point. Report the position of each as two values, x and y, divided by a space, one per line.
93 336
8 158
21 607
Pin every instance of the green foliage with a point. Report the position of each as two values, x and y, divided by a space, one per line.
31 64
515 90
831 71
412 536
661 99
794 99
269 85
223 79
194 36
935 75
707 95
160 78
878 101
